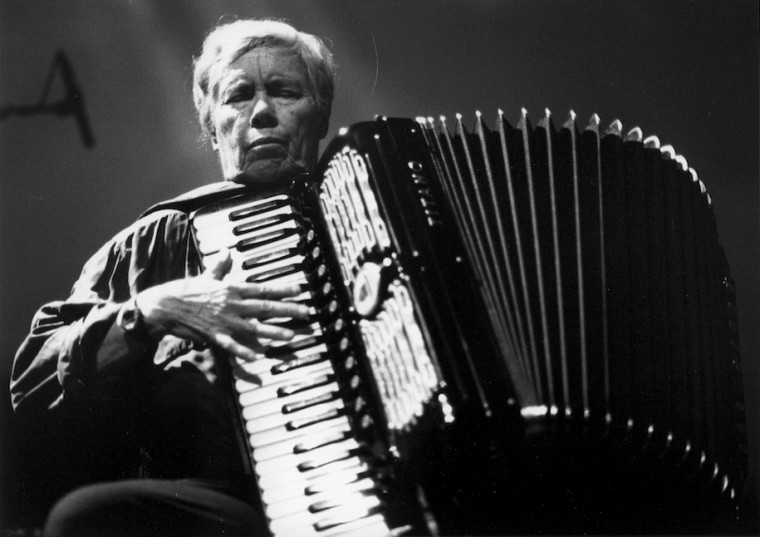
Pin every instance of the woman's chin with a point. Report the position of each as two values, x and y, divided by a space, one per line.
261 175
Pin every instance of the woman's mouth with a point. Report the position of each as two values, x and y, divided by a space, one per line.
267 148
266 141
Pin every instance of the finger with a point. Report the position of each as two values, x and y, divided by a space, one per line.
266 309
221 265
272 331
227 343
271 290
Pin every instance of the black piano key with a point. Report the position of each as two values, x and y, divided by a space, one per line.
341 485
305 385
276 351
344 515
275 273
316 442
258 208
254 381
325 459
269 257
260 226
296 363
265 239
324 505
276 403
279 442
294 425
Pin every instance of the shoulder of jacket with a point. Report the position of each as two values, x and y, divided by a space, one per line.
197 198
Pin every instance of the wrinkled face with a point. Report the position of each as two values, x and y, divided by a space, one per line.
266 123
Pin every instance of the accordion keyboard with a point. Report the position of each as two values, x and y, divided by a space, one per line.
296 400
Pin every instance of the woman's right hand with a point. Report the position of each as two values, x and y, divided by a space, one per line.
229 315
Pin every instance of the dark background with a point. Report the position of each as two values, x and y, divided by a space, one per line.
686 71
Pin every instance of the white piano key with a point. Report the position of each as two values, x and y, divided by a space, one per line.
336 477
265 384
211 227
232 232
269 237
315 392
220 212
275 260
276 436
264 365
332 431
284 353
339 495
253 219
292 476
286 271
244 368
302 462
358 507
256 424
372 526
295 278
240 258
288 403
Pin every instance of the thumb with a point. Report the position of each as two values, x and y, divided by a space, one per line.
219 265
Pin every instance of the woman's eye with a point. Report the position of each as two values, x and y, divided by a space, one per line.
237 96
287 92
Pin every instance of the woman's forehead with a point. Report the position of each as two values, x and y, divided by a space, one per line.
265 61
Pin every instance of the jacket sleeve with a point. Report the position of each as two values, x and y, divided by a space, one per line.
58 361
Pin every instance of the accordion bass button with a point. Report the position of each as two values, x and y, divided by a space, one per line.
329 311
335 330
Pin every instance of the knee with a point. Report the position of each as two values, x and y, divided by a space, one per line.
82 512
62 520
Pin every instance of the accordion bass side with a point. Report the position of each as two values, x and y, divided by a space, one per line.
547 320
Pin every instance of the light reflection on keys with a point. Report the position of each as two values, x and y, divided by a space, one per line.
337 495
249 376
272 438
272 483
310 469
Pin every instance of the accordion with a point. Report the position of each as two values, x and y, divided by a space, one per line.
517 330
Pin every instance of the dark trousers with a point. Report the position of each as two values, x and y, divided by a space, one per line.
152 507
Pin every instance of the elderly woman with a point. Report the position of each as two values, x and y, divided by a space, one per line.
118 382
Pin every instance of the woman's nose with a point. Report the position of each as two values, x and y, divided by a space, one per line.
263 115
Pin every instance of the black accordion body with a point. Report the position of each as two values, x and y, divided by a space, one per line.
518 330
